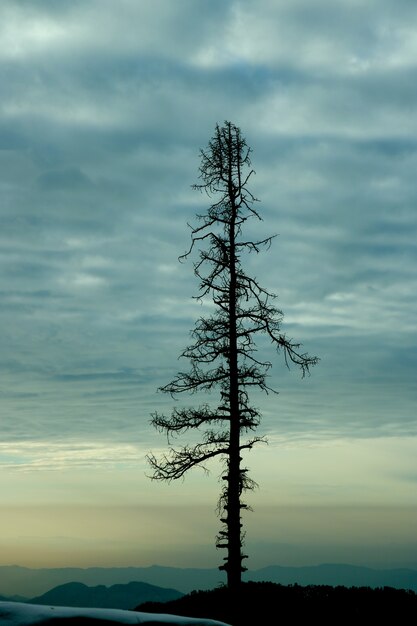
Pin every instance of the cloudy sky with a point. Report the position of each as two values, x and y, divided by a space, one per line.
104 108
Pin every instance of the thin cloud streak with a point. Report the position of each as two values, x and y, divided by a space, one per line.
37 456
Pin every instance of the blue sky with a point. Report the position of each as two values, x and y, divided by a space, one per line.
104 108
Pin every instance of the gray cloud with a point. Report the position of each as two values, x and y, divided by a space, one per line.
102 115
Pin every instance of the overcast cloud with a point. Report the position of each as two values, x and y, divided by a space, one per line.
104 107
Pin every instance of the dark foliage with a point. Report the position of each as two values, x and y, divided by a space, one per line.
271 603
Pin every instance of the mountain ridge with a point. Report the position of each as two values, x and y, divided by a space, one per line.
119 596
29 582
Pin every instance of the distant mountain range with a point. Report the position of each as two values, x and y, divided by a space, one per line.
115 597
34 582
338 574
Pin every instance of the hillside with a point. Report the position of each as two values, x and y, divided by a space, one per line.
295 604
115 597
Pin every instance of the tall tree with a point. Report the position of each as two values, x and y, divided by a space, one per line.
223 354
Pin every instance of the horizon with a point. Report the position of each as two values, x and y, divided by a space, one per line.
169 567
23 584
104 111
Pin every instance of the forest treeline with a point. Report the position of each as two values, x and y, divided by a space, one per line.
269 603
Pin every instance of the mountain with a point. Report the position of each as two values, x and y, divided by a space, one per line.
16 598
338 574
114 597
34 582
28 582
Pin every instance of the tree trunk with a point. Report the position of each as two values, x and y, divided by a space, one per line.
234 562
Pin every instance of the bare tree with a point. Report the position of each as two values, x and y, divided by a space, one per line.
223 354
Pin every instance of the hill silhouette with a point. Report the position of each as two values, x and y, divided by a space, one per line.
115 597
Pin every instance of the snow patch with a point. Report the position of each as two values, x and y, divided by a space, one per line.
20 614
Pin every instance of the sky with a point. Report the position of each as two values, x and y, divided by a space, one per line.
104 108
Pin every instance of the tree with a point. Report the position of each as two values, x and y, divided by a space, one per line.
223 355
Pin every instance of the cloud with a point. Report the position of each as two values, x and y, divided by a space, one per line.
100 127
337 38
68 179
39 28
55 456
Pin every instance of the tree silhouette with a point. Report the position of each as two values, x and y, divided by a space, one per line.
223 355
